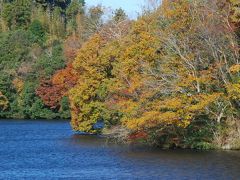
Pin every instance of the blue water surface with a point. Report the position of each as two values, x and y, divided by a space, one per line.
50 150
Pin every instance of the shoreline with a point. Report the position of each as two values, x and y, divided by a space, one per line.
115 138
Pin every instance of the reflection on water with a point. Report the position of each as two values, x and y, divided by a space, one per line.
50 150
87 140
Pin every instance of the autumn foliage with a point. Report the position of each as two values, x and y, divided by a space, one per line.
159 76
53 90
3 102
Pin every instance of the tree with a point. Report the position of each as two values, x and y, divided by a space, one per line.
37 29
93 20
17 13
74 9
117 27
51 61
119 15
52 91
3 102
87 97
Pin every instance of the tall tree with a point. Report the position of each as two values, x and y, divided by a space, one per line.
17 13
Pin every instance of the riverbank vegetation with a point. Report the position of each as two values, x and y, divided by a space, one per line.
171 78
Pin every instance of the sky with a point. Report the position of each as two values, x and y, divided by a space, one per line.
131 7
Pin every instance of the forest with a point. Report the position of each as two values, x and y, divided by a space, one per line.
170 78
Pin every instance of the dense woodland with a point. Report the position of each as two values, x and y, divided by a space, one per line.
171 78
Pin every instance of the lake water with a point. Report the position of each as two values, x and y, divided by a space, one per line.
50 150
